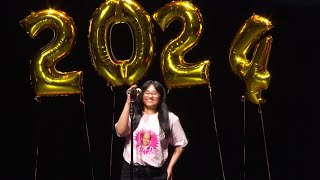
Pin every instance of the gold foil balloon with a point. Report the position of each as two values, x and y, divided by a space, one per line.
253 72
176 71
46 79
110 13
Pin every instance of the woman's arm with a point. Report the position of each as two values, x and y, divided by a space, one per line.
175 156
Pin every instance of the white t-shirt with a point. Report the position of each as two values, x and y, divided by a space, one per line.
149 146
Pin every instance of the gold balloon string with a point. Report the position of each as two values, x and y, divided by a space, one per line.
111 139
264 140
36 163
243 99
216 131
37 145
87 133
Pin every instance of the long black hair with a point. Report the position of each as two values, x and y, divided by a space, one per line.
162 109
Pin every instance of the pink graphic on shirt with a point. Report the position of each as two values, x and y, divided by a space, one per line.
147 141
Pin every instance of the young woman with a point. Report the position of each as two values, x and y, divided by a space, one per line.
152 117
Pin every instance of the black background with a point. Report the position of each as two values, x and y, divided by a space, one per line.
50 137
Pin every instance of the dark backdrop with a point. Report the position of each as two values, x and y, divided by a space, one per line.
61 137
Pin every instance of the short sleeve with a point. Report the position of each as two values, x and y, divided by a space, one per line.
179 137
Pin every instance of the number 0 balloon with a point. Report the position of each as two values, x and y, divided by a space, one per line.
46 79
118 72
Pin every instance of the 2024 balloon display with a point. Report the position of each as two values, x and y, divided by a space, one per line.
177 73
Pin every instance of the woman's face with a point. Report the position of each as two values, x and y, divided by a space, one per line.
151 98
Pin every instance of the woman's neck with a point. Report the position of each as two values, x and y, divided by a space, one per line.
149 111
